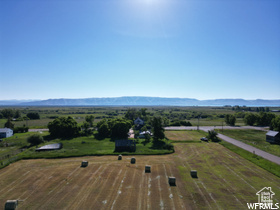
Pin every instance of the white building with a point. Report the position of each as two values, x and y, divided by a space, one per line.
5 132
142 134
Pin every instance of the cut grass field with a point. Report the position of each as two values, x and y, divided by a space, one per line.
185 136
225 181
255 138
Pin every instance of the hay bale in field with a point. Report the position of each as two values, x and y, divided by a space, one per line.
147 169
172 181
84 163
120 157
193 173
11 204
133 160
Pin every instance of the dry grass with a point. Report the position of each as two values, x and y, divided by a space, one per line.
225 181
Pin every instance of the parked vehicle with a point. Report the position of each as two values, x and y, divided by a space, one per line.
204 139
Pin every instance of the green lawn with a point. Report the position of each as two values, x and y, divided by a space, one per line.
80 146
255 138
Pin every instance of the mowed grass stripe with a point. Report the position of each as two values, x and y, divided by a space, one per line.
98 190
87 193
128 188
79 187
111 192
216 166
256 171
178 196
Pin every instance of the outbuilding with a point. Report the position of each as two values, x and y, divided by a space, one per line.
273 137
50 147
6 132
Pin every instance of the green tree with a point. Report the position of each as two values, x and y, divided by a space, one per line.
265 118
275 124
63 127
104 131
9 124
7 113
35 139
250 119
157 128
230 119
131 114
33 115
120 128
86 128
17 114
90 119
213 136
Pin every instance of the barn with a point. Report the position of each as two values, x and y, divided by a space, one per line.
273 137
125 146
5 132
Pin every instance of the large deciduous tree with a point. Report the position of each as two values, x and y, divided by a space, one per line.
63 127
230 119
90 119
250 119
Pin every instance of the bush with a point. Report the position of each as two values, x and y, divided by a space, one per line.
35 139
212 135
22 129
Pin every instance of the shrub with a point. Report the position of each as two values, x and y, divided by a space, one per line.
35 139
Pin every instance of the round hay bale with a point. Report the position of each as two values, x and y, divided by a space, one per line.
147 169
84 163
193 173
120 157
172 181
133 160
11 204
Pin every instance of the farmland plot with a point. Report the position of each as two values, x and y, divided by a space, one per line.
225 181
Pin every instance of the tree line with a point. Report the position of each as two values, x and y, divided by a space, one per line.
260 119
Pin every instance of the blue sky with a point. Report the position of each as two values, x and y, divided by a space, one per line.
168 48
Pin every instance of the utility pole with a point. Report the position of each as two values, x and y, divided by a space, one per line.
198 122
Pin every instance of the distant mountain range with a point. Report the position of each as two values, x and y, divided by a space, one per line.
139 101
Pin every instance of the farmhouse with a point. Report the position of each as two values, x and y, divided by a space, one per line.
138 121
273 137
5 132
125 146
50 147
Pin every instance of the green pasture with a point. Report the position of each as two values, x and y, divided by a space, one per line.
185 136
80 146
255 138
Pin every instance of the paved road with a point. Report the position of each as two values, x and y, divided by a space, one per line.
206 128
38 130
235 142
